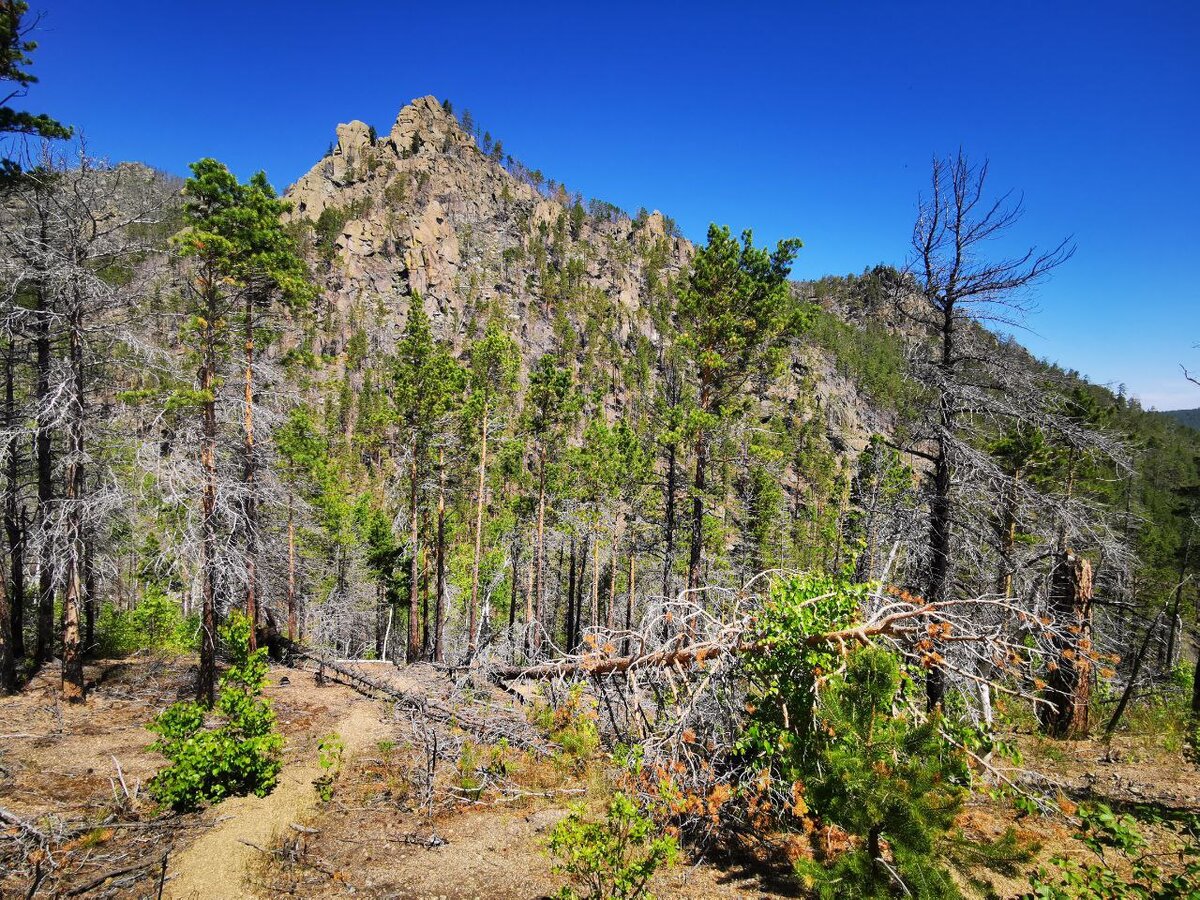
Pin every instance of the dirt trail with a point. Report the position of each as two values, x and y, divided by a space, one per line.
216 864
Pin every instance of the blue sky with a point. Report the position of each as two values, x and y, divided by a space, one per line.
794 119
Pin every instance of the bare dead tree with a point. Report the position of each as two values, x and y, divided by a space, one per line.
70 243
959 289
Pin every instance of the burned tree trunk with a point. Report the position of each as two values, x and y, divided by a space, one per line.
1064 714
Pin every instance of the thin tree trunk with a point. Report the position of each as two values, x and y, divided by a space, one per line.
426 645
74 689
629 597
529 583
45 473
570 623
612 583
595 620
414 609
206 685
1133 674
89 595
1173 624
291 588
699 485
439 608
579 586
472 612
540 567
939 567
515 559
12 519
249 479
669 523
8 668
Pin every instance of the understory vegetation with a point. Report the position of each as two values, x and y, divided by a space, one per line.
808 571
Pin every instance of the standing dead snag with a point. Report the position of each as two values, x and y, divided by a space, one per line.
1068 691
960 288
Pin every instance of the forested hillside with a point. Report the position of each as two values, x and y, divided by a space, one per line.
815 560
1189 417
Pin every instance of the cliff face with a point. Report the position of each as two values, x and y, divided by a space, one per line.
424 211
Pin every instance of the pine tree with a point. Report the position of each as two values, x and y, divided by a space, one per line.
494 363
889 779
735 308
427 382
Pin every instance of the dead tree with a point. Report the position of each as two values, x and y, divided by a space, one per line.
1069 686
959 289
69 231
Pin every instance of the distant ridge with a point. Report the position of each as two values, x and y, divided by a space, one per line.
1188 417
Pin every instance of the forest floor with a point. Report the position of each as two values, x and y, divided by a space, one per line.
77 775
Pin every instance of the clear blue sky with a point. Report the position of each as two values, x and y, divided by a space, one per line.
813 120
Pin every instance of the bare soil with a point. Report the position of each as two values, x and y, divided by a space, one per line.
383 833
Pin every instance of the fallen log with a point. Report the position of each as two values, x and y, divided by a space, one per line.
490 728
18 822
596 665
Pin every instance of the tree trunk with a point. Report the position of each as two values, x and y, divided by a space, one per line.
698 488
74 689
1173 623
669 522
291 586
530 580
414 609
426 645
472 613
939 567
629 596
439 607
513 595
206 685
1004 580
12 518
595 621
249 480
8 667
45 474
89 596
540 566
1068 691
612 583
1196 687
570 623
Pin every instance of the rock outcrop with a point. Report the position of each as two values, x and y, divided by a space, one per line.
424 211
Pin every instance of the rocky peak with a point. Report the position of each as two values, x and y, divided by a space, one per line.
425 126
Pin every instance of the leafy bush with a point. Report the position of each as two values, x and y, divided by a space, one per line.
330 750
832 739
613 859
571 725
1124 865
237 754
783 678
156 623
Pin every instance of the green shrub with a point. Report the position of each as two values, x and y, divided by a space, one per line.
156 623
330 750
613 859
571 725
237 752
834 737
1123 864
